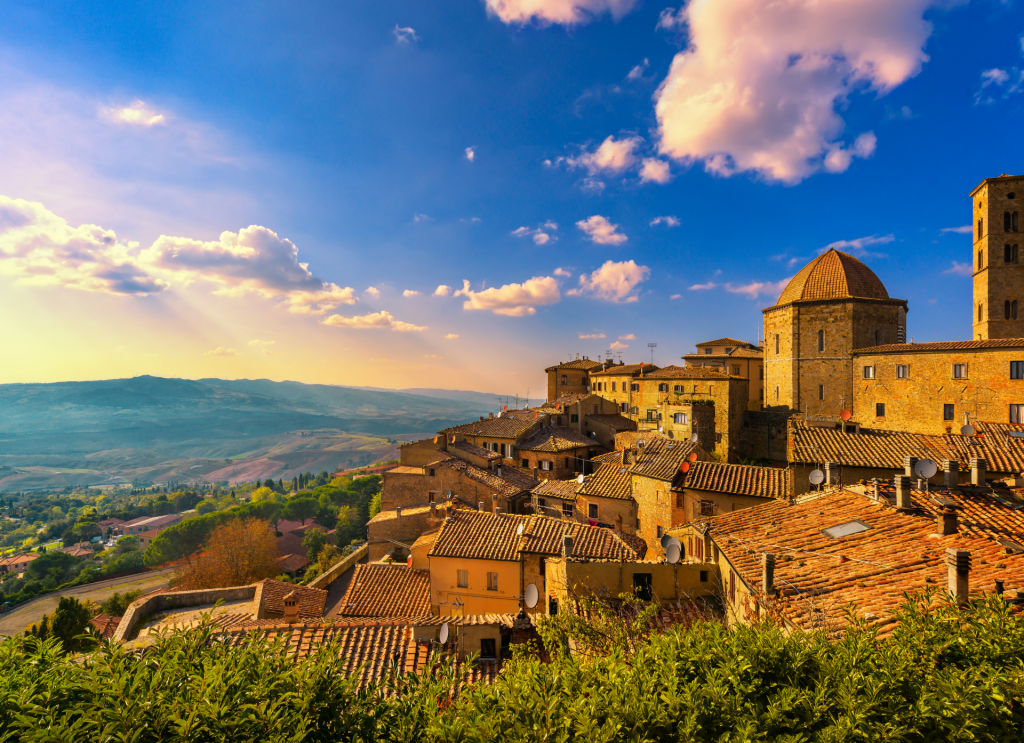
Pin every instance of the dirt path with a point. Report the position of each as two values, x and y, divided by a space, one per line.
19 618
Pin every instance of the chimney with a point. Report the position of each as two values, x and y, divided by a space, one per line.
831 474
768 574
291 608
951 468
948 522
481 417
480 506
908 465
536 474
874 490
978 467
398 512
497 511
904 501
959 563
499 470
567 546
490 415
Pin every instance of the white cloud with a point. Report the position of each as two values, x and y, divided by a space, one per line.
655 171
758 86
965 230
451 337
539 236
410 293
382 320
442 291
612 156
667 221
566 12
563 273
756 288
858 247
613 282
549 225
136 114
629 337
638 72
601 231
676 296
372 291
317 302
592 336
960 269
997 84
670 20
404 34
592 186
422 218
258 342
221 351
616 346
515 300
703 287
471 153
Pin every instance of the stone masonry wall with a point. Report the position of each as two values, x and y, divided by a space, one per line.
654 509
997 281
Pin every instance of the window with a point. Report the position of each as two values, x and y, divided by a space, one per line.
624 407
679 418
574 418
845 530
776 344
821 392
707 508
1017 414
869 372
981 223
542 502
1013 310
652 415
663 387
613 386
568 510
432 496
776 393
1013 255
980 314
567 462
678 389
878 341
487 647
545 464
431 472
980 255
707 350
526 464
592 510
879 409
703 576
565 379
948 412
1006 221
492 582
642 586
659 530
902 371
821 340
959 371
680 499
735 371
1007 253
1017 370
760 373
634 387
463 579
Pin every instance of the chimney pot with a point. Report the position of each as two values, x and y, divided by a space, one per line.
480 506
978 467
291 608
951 468
398 512
959 564
948 522
999 586
768 574
874 489
567 546
831 474
904 500
908 465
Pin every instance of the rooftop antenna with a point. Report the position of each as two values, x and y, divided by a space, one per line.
652 346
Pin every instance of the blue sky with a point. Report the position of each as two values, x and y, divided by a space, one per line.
343 128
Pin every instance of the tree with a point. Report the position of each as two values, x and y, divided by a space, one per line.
236 553
314 541
206 506
343 527
301 509
126 544
375 505
264 493
117 605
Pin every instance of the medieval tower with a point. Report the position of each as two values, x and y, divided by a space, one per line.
998 265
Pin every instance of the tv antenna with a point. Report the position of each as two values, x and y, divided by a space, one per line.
652 346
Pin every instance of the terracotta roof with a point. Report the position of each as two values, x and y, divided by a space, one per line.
476 451
269 599
105 625
510 427
290 544
555 439
690 372
614 421
630 439
833 275
473 620
816 575
511 482
571 399
609 480
737 353
660 458
723 342
740 479
150 535
18 559
565 489
544 535
77 551
585 364
626 370
612 456
293 563
942 346
635 543
386 591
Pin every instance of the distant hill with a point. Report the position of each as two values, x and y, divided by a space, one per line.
490 399
124 426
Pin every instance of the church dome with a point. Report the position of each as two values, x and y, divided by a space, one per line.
833 275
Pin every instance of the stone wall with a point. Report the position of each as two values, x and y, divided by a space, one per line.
764 434
621 513
996 280
654 509
576 381
404 525
419 453
680 581
404 486
147 606
916 404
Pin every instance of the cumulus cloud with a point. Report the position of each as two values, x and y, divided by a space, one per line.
670 19
612 156
471 153
372 291
405 35
965 230
565 12
442 291
317 302
860 245
135 114
540 236
592 336
258 342
382 320
515 300
221 351
599 230
451 337
676 296
592 186
703 287
616 346
629 337
655 171
960 269
757 288
613 282
410 293
758 87
638 72
667 221
563 273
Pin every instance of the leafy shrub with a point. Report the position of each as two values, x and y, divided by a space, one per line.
117 605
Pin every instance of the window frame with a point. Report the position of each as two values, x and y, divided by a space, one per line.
593 512
1017 370
879 409
1016 411
869 372
960 371
462 579
902 371
948 411
492 581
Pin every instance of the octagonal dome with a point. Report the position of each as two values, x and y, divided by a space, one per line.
833 275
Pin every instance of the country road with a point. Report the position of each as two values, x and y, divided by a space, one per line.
19 618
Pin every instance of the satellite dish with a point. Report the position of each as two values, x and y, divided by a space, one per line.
531 595
968 430
672 554
817 477
694 438
846 415
444 633
665 540
519 530
925 468
677 543
684 467
693 457
579 479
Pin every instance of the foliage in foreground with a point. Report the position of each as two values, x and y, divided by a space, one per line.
944 675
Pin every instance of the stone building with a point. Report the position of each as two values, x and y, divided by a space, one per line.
998 269
737 359
571 377
621 385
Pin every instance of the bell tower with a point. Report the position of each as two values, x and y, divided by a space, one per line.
997 261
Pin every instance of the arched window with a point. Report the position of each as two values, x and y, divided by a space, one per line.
980 257
821 392
1016 224
821 340
981 223
1007 254
776 344
979 313
1006 222
1013 254
1013 310
1006 309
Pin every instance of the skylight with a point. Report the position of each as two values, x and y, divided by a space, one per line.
845 530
